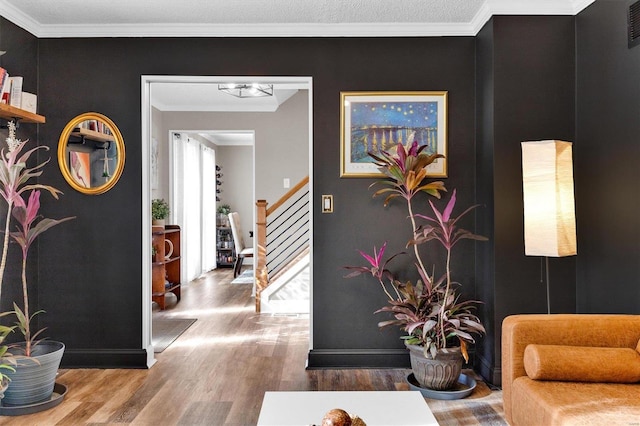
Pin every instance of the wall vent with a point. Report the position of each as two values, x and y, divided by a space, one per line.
633 23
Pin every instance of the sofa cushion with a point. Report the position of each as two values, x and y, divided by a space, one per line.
538 402
582 364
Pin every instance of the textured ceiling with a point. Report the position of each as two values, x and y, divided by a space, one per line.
247 11
100 18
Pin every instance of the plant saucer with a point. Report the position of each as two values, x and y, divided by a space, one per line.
465 386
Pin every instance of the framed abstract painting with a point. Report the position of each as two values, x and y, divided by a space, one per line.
379 121
80 166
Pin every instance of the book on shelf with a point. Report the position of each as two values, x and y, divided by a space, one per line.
4 75
5 86
15 96
29 102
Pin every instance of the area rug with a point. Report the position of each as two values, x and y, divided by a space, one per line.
166 330
245 277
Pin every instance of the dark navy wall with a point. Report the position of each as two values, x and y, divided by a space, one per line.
21 59
526 80
608 159
103 285
345 329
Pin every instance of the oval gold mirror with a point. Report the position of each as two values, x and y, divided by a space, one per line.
91 153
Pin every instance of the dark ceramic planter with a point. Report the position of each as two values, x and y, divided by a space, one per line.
441 373
33 380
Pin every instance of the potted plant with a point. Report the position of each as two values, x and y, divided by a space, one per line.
438 324
7 360
224 209
223 214
159 211
37 385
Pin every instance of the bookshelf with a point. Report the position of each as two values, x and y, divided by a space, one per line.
226 252
165 277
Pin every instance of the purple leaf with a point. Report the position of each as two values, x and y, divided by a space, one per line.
450 205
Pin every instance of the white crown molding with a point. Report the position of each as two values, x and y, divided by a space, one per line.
530 7
580 5
488 9
19 18
258 30
481 18
491 8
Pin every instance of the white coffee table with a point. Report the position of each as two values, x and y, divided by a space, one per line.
385 408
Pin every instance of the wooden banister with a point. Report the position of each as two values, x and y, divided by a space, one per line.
288 195
262 276
262 212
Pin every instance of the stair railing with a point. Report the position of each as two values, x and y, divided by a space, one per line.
282 233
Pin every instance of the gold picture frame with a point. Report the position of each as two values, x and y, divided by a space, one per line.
373 121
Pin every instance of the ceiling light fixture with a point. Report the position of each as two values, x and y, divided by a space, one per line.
253 90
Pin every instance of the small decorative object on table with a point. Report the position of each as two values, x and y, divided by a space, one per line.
339 417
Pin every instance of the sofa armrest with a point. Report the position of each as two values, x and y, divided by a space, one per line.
598 330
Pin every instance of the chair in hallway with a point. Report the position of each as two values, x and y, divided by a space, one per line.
241 250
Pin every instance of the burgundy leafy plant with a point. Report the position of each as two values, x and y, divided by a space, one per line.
406 171
429 311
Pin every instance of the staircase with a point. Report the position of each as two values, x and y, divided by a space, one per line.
288 291
282 252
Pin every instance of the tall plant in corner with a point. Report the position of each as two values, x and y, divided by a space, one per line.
29 228
14 177
430 310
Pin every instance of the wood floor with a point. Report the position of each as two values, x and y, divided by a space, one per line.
216 373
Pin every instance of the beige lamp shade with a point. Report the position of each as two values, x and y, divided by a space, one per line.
549 212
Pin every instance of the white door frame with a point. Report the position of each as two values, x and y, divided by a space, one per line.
146 81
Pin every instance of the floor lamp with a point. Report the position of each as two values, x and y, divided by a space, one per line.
549 211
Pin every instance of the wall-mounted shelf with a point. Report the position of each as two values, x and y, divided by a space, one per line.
92 134
9 113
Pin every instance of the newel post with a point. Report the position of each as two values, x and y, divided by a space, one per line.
262 278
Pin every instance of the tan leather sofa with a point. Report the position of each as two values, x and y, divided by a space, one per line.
548 400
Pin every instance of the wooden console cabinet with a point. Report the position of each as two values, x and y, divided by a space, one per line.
165 277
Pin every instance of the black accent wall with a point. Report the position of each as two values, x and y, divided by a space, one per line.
608 176
525 85
345 331
22 62
520 78
103 285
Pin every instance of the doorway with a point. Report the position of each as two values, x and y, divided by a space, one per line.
148 83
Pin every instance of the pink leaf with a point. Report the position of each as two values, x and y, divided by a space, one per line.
450 205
